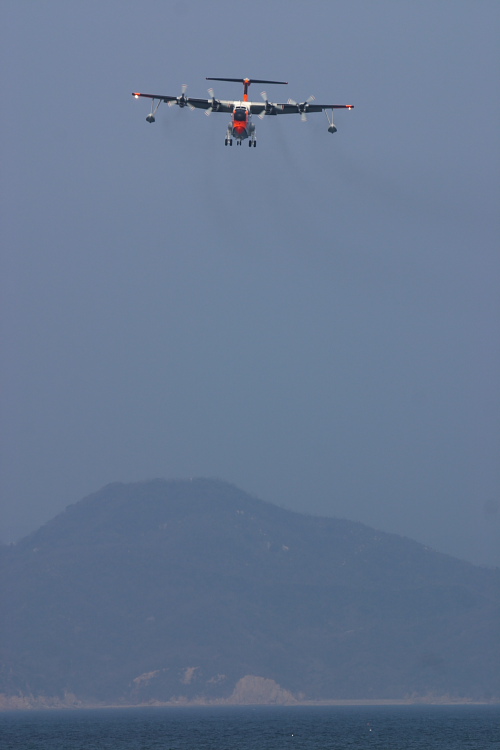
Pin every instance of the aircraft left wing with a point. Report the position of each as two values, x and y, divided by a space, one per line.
293 108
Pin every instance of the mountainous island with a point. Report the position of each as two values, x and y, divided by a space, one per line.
193 591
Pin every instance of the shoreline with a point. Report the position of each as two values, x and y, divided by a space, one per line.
17 703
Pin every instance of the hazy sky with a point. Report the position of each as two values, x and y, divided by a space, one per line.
315 320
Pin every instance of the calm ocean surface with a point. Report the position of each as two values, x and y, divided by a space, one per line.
297 728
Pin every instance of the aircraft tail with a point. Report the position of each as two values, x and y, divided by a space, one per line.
246 83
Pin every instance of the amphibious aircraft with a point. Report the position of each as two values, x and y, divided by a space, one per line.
241 126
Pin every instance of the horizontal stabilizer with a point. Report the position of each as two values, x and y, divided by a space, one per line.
246 80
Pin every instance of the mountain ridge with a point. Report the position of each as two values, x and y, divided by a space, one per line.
196 577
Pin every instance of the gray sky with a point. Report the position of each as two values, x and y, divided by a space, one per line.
315 320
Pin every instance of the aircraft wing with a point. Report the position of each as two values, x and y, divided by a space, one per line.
256 108
216 106
155 96
220 105
292 108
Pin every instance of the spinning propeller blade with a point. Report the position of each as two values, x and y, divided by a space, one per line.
213 106
264 111
182 100
302 108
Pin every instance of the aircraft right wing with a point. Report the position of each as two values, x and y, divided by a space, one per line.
214 105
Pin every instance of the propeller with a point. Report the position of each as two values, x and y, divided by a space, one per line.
182 100
302 108
214 105
268 107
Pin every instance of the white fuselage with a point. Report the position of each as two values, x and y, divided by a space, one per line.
241 125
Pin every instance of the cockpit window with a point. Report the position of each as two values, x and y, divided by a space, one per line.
240 114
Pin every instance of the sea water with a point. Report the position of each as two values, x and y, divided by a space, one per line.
255 728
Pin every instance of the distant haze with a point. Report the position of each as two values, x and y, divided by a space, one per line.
315 320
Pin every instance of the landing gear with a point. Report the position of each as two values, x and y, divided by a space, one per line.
252 141
228 142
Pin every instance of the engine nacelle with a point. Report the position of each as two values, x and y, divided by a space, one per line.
150 118
332 129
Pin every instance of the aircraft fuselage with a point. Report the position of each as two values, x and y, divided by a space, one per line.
241 125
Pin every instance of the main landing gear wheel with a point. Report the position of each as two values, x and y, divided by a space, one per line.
228 142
